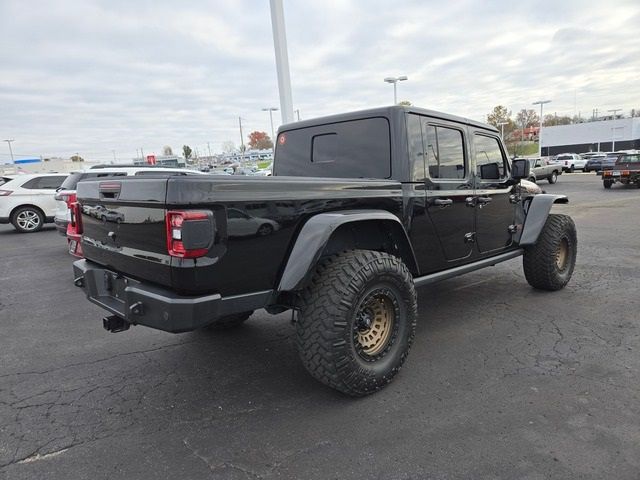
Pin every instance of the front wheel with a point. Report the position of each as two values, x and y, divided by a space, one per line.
553 178
549 264
572 169
357 321
27 220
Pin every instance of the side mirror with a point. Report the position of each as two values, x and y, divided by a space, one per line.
520 169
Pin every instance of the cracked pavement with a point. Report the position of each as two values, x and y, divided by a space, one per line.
502 381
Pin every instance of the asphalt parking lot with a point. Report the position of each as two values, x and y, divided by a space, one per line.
502 381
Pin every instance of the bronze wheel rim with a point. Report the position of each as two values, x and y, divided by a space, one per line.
562 254
375 322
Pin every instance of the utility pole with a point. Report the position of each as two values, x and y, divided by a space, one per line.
114 156
298 114
282 60
241 137
10 151
209 149
541 103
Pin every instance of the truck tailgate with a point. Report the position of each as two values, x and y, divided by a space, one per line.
123 226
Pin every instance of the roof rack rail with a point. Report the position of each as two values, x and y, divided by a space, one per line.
127 165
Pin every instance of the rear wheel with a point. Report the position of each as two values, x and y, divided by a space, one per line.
553 178
27 219
548 265
607 183
357 321
265 229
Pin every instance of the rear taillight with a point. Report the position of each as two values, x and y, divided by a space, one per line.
76 217
4 193
66 196
189 233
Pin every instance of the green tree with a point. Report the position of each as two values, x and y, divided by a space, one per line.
405 103
498 115
77 158
167 151
186 151
260 141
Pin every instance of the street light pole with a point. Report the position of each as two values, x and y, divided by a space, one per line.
10 151
271 110
114 156
614 111
502 124
394 81
541 103
282 60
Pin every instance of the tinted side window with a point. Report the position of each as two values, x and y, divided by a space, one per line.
445 152
416 148
490 162
50 183
32 184
352 149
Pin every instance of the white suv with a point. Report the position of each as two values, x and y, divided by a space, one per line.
27 201
571 162
67 192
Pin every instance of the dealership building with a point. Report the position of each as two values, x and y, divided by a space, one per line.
601 136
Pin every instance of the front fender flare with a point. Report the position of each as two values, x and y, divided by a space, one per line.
315 235
536 216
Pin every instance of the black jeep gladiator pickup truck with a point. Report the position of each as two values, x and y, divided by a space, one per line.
361 209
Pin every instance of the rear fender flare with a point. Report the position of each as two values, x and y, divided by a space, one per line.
536 216
314 237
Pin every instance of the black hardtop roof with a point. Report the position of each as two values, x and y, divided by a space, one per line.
388 112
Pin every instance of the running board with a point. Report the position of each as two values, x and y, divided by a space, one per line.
461 270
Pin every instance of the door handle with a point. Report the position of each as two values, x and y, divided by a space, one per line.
443 202
482 201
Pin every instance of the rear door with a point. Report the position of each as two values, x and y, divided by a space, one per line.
43 190
494 207
449 186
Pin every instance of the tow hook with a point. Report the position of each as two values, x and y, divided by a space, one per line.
115 324
79 282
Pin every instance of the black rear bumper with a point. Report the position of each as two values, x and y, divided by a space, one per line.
140 303
61 226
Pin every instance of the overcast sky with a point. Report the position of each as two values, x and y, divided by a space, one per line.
94 76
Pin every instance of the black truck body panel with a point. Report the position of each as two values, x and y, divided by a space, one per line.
270 232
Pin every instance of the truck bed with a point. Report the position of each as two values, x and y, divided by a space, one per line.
256 218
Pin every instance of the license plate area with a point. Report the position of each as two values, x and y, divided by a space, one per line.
115 285
616 173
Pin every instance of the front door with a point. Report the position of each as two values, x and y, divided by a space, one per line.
494 206
449 186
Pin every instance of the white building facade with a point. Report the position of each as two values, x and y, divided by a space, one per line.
602 136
